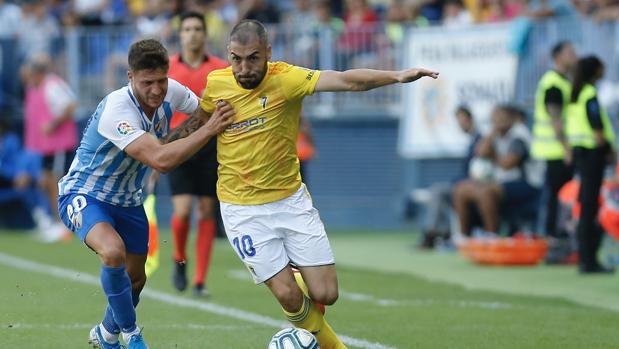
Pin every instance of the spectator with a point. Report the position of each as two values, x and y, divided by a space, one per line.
359 22
432 10
10 20
398 13
455 14
606 10
474 8
38 30
154 22
62 12
90 12
260 10
538 9
500 10
549 143
591 135
323 23
50 130
583 7
358 38
514 179
19 171
323 17
439 203
300 36
300 13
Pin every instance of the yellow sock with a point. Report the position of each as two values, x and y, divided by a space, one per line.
311 319
299 279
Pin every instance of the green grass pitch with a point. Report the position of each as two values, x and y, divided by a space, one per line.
391 297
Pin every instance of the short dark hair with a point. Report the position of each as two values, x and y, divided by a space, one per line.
454 2
192 14
148 54
558 47
245 29
465 110
586 71
514 110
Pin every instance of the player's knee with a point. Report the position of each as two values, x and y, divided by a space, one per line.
182 214
206 207
205 214
326 295
290 297
459 191
112 256
138 282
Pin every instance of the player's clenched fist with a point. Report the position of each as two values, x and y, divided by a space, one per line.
222 117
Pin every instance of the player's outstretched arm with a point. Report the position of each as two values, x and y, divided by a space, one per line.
367 79
165 157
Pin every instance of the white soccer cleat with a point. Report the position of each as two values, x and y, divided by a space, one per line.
98 342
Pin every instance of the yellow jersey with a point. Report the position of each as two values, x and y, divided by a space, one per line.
257 154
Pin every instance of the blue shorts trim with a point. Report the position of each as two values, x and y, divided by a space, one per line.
81 212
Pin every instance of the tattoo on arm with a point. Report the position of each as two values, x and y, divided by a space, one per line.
187 127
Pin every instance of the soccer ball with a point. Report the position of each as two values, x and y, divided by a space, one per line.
481 169
293 338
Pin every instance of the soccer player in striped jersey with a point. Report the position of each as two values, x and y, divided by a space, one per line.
101 196
267 211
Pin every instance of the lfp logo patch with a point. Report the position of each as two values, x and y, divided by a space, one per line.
124 128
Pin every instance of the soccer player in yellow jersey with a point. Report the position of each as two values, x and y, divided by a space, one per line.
267 211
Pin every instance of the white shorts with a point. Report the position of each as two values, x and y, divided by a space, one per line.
270 236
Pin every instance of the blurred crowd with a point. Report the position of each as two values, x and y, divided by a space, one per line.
37 22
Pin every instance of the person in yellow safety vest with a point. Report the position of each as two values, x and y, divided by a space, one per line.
549 142
590 133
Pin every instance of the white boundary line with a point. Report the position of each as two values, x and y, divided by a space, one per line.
243 274
239 314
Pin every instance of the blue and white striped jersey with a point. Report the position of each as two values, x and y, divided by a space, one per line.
101 169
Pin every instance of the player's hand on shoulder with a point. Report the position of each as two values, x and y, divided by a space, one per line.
222 117
410 75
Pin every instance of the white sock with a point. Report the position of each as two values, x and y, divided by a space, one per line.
127 335
107 336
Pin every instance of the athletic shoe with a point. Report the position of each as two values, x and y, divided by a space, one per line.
200 290
137 342
179 275
595 269
96 340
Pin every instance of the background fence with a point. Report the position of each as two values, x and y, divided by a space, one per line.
357 179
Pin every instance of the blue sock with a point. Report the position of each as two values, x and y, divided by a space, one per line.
117 288
108 319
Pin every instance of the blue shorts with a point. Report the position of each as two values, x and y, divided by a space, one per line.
519 192
81 212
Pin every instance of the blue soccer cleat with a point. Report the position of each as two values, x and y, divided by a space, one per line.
98 342
137 342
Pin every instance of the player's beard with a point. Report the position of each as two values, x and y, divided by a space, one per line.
252 80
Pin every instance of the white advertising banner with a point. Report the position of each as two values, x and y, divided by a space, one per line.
476 69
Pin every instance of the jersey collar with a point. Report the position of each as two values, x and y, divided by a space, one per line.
146 122
180 59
